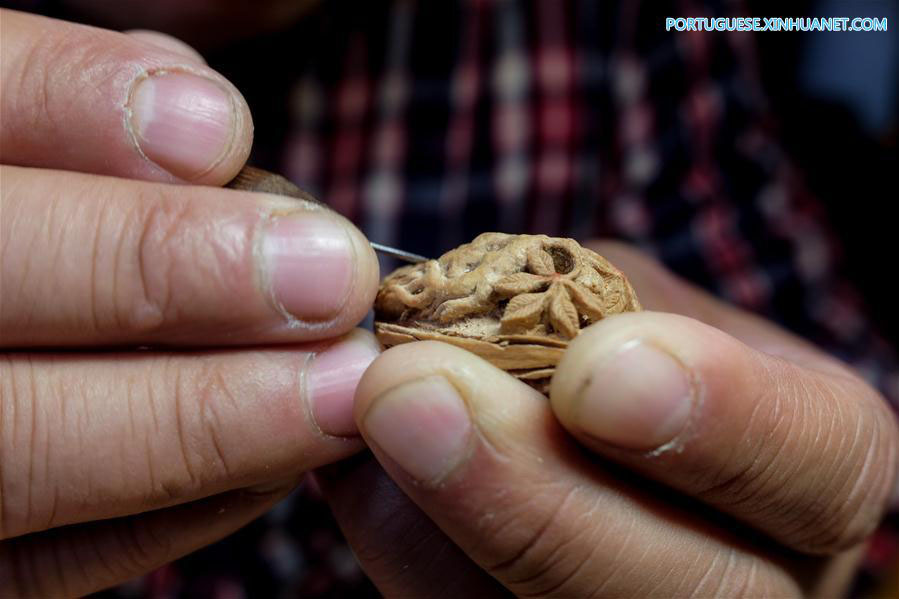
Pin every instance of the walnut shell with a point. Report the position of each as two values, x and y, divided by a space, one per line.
514 300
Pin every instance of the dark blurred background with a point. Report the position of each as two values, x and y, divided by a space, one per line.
836 98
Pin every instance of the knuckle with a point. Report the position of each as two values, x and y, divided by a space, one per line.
170 467
201 396
743 477
178 262
766 474
153 402
153 264
811 468
194 402
868 468
216 399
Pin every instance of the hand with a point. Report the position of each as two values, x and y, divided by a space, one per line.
762 463
114 461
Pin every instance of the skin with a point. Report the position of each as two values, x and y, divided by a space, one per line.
784 470
114 460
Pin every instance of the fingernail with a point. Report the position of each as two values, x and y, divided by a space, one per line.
423 426
182 122
331 383
640 398
309 260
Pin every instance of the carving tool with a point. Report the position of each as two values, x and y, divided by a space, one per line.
251 178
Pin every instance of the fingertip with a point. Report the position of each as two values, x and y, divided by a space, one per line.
141 106
423 425
408 409
478 381
186 118
421 403
332 376
190 122
366 273
237 149
393 367
784 447
629 381
320 271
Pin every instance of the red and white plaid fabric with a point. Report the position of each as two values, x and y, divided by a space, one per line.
430 122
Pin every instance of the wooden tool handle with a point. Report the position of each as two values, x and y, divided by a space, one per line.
251 178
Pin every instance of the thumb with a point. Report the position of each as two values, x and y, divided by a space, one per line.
661 290
805 454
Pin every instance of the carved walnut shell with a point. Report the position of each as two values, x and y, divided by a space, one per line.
514 300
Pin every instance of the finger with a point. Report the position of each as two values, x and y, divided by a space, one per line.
806 456
167 42
95 260
81 559
85 99
106 435
483 456
400 549
661 290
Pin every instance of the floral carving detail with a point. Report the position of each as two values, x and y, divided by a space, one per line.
546 296
514 300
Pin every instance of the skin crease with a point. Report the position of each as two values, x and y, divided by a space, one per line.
174 267
531 508
405 553
114 461
197 432
82 101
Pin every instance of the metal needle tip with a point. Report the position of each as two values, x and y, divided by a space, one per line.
399 254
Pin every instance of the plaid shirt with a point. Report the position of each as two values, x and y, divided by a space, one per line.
430 122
